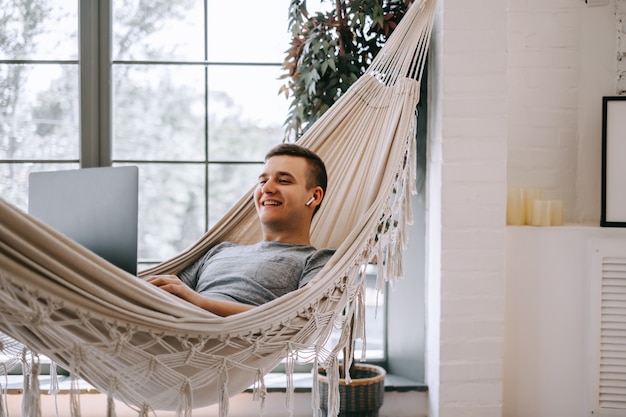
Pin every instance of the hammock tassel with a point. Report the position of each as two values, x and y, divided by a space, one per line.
110 406
110 398
3 411
31 403
74 396
315 389
333 388
54 386
3 394
289 370
186 401
259 392
223 391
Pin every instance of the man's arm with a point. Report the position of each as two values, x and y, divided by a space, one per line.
173 285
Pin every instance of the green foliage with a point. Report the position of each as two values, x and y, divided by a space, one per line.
329 51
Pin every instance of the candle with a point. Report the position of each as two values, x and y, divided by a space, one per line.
530 195
515 207
556 212
541 213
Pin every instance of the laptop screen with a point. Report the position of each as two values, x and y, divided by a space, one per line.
96 207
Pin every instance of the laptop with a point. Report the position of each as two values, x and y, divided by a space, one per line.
96 207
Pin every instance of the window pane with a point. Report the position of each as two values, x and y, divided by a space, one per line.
171 208
374 318
375 332
40 29
14 180
158 112
245 112
228 183
39 115
158 30
257 32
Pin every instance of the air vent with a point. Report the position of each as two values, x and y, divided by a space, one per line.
608 328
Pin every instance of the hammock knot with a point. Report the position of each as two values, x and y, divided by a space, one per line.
191 352
152 364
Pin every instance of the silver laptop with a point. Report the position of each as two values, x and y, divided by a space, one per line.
96 207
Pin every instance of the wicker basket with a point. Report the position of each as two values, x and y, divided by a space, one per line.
363 397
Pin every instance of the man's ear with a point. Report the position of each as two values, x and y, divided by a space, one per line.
318 195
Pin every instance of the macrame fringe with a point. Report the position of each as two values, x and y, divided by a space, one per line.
112 388
289 369
259 391
74 382
111 406
31 401
4 389
332 373
223 391
315 390
74 395
54 386
186 401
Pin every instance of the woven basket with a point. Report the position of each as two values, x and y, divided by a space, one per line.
363 397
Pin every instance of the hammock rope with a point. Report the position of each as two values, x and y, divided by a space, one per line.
153 351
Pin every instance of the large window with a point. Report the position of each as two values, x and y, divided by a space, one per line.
187 90
190 97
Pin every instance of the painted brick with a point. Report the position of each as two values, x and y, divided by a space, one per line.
465 150
491 239
472 171
481 392
482 410
479 308
476 195
475 106
475 371
473 284
471 351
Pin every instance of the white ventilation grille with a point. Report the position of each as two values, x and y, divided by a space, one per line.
608 328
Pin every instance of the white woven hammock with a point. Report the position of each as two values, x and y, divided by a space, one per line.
153 351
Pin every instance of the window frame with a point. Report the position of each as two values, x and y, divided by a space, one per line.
96 140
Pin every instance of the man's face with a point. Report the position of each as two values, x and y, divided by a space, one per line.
281 193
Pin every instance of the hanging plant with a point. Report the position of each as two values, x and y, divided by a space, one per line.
329 51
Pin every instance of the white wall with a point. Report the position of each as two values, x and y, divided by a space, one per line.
465 214
516 101
549 335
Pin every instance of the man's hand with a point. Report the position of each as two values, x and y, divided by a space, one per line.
173 285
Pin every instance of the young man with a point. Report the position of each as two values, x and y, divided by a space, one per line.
232 278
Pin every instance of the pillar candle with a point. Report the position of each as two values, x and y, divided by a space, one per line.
541 213
556 212
530 195
515 207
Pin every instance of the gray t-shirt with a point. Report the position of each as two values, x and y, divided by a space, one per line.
254 274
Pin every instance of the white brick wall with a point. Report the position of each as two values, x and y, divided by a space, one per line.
515 101
470 103
620 12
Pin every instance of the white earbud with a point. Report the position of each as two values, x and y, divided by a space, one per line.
308 203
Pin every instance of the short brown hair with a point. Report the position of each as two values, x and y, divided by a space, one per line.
317 175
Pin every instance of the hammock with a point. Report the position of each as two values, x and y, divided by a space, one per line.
153 351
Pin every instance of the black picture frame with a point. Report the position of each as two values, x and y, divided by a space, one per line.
613 161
